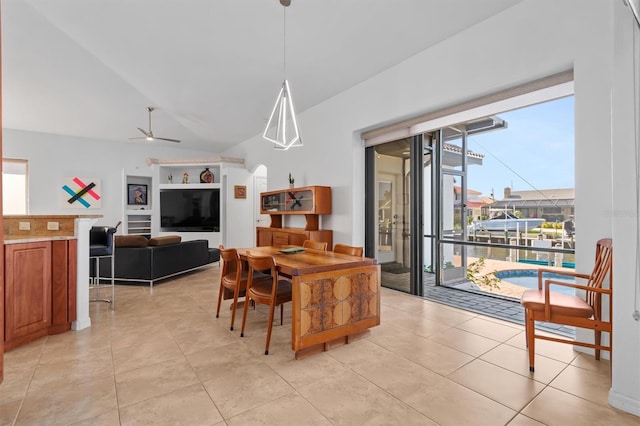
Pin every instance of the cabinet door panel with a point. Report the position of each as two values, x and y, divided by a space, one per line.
280 238
297 239
264 237
27 288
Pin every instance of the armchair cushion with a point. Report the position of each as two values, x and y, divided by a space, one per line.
561 304
131 241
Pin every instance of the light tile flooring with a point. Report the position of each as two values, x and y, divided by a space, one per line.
163 358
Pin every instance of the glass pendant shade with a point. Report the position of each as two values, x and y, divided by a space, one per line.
282 127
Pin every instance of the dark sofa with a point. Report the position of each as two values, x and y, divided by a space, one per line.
142 260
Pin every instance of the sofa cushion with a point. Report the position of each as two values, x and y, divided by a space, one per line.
164 240
131 241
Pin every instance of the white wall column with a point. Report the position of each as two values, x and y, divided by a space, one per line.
82 227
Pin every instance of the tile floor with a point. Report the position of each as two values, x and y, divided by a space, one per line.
163 358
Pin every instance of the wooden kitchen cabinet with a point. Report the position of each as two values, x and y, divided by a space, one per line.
27 287
39 289
63 285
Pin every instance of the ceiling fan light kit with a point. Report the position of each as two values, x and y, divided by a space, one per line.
148 134
282 127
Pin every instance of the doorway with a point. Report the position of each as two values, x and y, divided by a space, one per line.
394 227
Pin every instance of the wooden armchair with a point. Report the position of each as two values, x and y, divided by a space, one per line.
545 305
318 245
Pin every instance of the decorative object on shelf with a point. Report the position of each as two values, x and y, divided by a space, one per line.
294 200
185 177
239 191
291 181
137 194
206 176
282 127
170 178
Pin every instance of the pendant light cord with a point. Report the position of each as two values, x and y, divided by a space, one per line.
636 126
284 41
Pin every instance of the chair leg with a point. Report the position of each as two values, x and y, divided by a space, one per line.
272 308
97 282
244 313
281 313
597 340
219 300
234 306
113 281
526 329
530 332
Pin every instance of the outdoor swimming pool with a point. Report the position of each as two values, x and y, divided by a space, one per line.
529 278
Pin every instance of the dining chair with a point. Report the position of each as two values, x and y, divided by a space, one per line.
554 307
233 279
317 245
345 249
272 292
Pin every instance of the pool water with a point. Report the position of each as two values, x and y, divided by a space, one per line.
529 278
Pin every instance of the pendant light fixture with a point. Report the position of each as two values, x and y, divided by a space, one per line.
282 127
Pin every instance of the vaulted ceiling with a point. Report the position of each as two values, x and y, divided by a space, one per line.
212 68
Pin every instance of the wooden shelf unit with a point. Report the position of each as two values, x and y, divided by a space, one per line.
310 201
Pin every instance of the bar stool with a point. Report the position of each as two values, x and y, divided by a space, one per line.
101 245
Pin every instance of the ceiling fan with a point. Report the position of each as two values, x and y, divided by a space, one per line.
148 135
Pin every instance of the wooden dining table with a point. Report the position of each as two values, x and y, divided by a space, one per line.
336 297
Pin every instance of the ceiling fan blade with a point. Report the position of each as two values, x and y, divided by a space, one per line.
169 140
142 137
148 134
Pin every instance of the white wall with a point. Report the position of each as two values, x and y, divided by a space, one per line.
52 157
625 393
531 40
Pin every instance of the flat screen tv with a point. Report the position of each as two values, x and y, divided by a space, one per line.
190 210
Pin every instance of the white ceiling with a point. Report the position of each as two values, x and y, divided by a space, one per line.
212 68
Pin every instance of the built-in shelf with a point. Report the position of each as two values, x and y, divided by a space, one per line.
137 219
189 185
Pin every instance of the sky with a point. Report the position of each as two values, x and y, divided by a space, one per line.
535 151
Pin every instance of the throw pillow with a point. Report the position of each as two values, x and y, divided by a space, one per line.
131 241
164 240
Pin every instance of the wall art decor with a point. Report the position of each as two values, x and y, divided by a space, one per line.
136 194
80 192
239 191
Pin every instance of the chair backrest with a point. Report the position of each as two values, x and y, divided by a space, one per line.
318 245
101 240
345 249
261 263
603 267
231 263
102 235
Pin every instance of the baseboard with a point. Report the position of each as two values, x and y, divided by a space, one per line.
624 403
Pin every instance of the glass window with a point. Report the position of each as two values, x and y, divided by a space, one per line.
15 178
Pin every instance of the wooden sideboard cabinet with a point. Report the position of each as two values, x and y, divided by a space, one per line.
310 201
40 289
